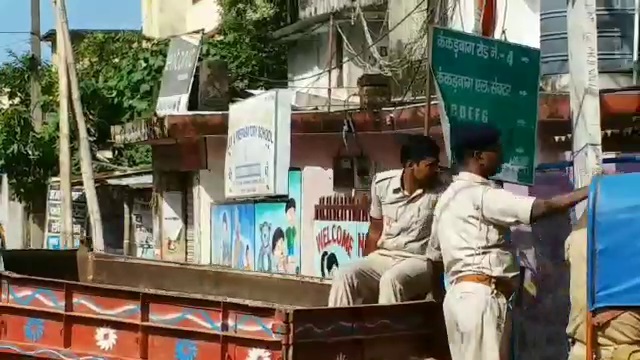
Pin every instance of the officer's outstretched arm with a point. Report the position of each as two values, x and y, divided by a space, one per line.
556 204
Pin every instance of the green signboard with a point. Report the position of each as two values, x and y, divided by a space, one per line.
492 81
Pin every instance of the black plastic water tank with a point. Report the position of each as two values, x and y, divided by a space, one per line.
615 36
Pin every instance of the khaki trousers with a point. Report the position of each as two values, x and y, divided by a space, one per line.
621 352
578 351
382 278
478 322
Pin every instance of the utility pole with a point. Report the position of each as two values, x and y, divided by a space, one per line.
584 97
66 230
36 58
584 93
85 150
33 234
433 18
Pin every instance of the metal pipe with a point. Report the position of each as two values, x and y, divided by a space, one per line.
563 165
636 40
331 55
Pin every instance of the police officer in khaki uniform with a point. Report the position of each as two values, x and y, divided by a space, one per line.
402 203
472 219
617 331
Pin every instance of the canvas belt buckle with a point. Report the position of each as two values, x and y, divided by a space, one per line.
601 318
501 286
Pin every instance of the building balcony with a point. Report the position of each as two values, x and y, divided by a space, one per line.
310 8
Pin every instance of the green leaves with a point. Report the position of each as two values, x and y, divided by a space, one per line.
28 158
252 58
119 76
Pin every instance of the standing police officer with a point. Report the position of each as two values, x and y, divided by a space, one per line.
472 220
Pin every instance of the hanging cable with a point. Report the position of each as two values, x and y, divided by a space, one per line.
360 53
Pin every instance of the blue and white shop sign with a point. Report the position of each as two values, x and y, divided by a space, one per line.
259 146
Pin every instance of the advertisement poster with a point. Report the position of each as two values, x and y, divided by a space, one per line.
277 231
337 244
177 75
172 227
143 230
53 238
259 146
232 236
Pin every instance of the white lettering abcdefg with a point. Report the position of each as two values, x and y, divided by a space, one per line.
258 146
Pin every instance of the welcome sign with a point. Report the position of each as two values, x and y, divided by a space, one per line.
337 244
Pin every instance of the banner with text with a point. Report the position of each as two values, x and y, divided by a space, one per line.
259 146
177 76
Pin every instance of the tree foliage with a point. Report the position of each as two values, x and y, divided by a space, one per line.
28 158
243 42
119 76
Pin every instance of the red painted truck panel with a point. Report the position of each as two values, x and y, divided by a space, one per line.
56 319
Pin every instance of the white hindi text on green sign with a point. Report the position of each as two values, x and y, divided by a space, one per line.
491 81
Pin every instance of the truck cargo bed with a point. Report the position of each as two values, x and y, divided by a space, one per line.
61 319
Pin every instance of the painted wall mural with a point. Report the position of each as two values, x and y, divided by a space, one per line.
263 236
277 231
232 235
338 243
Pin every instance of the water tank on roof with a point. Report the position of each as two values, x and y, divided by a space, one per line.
615 36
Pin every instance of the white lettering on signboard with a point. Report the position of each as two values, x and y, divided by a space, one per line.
259 146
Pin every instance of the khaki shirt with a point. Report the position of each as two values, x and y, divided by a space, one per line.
470 226
406 218
624 329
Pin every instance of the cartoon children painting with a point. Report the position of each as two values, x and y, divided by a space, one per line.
226 241
247 259
263 262
280 253
290 233
328 264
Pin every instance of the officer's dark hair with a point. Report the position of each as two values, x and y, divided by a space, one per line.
475 137
416 148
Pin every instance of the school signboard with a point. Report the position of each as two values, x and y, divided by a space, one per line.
259 146
486 80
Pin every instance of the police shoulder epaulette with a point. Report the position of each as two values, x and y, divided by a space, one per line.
386 175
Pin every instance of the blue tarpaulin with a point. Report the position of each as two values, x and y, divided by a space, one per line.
614 241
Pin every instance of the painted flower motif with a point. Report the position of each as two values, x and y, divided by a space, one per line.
259 354
186 350
106 338
34 329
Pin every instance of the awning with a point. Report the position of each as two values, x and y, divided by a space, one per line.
139 181
618 110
